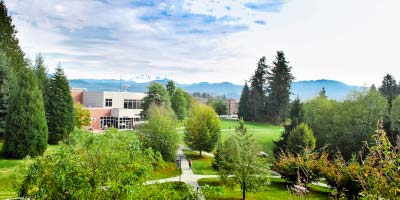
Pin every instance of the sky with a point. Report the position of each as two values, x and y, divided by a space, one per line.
353 41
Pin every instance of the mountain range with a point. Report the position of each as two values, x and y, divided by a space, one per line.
303 89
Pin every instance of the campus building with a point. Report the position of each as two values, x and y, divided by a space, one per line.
231 104
111 109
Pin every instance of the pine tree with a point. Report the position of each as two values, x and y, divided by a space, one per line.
279 82
258 91
41 73
4 89
244 103
26 129
60 108
9 42
389 88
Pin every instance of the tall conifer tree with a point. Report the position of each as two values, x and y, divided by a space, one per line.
26 129
279 83
8 40
244 103
389 88
258 91
41 74
60 108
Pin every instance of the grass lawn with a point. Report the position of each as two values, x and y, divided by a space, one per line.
276 190
170 170
264 133
7 168
200 164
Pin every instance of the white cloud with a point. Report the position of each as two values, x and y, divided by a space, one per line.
352 41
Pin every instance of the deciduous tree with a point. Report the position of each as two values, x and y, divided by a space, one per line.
202 129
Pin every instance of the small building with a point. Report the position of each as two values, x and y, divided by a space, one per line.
231 104
120 110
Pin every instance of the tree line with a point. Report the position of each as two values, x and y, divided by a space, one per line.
34 109
267 97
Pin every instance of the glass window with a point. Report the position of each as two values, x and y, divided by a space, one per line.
108 102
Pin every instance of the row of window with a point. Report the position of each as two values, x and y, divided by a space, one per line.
128 103
120 123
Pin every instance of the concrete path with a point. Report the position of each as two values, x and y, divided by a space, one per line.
187 175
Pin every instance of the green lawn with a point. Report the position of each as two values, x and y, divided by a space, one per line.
264 133
7 169
200 164
276 190
169 170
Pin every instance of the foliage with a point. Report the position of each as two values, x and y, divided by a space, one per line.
379 174
8 41
258 91
279 83
220 107
170 86
159 133
322 93
156 94
41 73
300 138
109 166
60 108
345 125
200 164
303 167
240 160
82 115
244 103
395 119
202 129
178 101
389 88
5 80
296 116
26 129
213 193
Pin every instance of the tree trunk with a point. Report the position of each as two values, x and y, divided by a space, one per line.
244 190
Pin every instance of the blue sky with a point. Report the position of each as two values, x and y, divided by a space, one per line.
211 40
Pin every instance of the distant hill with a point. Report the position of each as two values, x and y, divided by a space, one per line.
304 89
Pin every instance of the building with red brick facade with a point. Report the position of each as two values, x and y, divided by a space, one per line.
121 110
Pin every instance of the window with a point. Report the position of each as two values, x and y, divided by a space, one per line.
133 104
108 102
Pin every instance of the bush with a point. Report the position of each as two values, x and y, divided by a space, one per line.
109 166
300 138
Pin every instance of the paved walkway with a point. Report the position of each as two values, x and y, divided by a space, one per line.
187 175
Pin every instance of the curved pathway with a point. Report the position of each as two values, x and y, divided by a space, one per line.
187 175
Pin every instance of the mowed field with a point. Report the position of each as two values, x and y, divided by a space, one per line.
264 133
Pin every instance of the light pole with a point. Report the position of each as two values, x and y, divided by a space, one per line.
93 119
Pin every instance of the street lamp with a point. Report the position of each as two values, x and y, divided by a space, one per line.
93 119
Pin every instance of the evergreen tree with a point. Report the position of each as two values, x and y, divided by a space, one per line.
156 94
170 87
244 103
4 89
178 101
296 116
258 91
41 73
9 42
60 108
279 82
389 88
26 129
